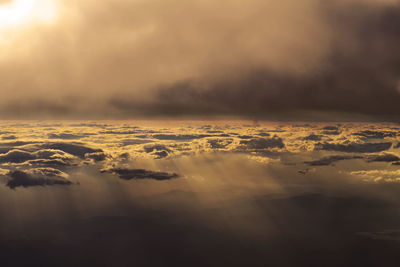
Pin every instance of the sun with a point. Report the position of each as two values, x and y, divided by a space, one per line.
24 12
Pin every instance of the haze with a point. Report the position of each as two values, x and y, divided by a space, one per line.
132 58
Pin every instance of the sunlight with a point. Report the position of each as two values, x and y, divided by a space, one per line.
23 12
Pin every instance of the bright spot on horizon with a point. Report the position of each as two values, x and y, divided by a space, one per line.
19 13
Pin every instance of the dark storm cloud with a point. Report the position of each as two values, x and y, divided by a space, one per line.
205 57
37 177
331 159
129 174
354 147
360 75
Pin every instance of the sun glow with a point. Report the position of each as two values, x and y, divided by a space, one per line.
24 12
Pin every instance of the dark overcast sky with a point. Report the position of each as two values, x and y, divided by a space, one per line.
116 58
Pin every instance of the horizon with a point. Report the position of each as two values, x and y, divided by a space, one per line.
155 133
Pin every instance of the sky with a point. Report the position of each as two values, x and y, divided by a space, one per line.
132 58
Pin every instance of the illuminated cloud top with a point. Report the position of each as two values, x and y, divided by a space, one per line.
47 152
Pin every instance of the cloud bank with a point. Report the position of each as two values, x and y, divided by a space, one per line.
203 57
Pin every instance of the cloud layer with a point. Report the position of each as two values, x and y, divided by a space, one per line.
231 192
114 147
